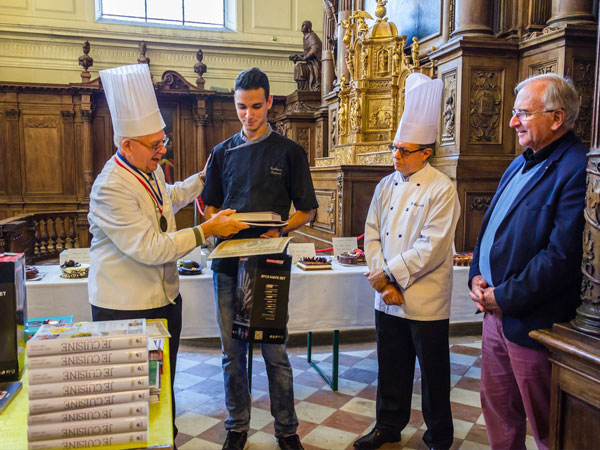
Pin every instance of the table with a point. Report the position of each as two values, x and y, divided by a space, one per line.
13 421
339 299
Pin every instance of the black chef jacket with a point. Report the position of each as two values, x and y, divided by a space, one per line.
266 175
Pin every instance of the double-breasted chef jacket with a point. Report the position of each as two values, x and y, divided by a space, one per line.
410 228
133 263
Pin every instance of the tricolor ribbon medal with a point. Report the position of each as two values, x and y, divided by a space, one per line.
155 194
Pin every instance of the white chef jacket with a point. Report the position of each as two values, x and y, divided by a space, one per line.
133 264
410 227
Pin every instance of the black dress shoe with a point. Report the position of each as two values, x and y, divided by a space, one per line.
236 440
375 439
290 443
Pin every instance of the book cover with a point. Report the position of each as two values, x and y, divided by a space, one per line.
82 337
89 359
72 389
87 428
81 373
8 391
96 413
263 216
34 323
91 441
47 405
261 302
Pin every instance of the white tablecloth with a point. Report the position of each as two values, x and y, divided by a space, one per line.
319 300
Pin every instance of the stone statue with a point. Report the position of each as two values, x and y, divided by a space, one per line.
307 71
200 69
143 59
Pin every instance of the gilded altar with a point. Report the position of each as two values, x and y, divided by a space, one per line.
370 103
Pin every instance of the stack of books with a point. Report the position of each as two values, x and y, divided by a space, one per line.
88 385
155 367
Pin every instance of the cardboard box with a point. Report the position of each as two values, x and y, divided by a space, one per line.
262 294
12 314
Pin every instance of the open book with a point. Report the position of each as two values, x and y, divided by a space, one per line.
260 219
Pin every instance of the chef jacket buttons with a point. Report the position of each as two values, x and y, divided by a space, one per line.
399 235
396 183
391 207
407 209
386 233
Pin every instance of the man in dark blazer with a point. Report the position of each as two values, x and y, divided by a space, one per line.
526 270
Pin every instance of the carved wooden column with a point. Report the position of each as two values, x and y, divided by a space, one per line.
13 144
472 17
87 164
588 314
68 144
475 142
200 118
572 11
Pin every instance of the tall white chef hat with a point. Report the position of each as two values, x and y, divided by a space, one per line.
131 100
419 122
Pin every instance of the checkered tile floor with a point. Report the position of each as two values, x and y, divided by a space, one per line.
328 420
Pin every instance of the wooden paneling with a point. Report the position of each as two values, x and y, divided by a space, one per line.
43 155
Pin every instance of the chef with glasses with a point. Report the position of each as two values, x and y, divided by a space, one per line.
409 235
135 241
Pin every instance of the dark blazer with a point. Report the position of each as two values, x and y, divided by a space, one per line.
536 256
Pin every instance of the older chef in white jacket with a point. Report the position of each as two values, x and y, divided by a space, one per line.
135 243
408 243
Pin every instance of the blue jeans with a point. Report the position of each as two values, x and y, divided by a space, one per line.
235 374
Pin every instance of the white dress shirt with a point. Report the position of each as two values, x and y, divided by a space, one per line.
410 228
133 263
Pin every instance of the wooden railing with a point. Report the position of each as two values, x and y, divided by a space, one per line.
44 235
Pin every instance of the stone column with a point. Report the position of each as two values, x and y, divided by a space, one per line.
572 11
472 17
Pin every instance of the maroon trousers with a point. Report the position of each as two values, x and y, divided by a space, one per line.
515 386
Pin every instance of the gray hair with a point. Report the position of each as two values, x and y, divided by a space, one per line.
560 93
118 140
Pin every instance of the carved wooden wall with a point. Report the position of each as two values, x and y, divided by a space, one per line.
55 139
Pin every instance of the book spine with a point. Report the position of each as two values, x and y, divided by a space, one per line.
91 441
85 344
87 428
50 390
89 359
47 405
80 373
98 413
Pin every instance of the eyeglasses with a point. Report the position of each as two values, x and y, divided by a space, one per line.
527 115
156 147
403 151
